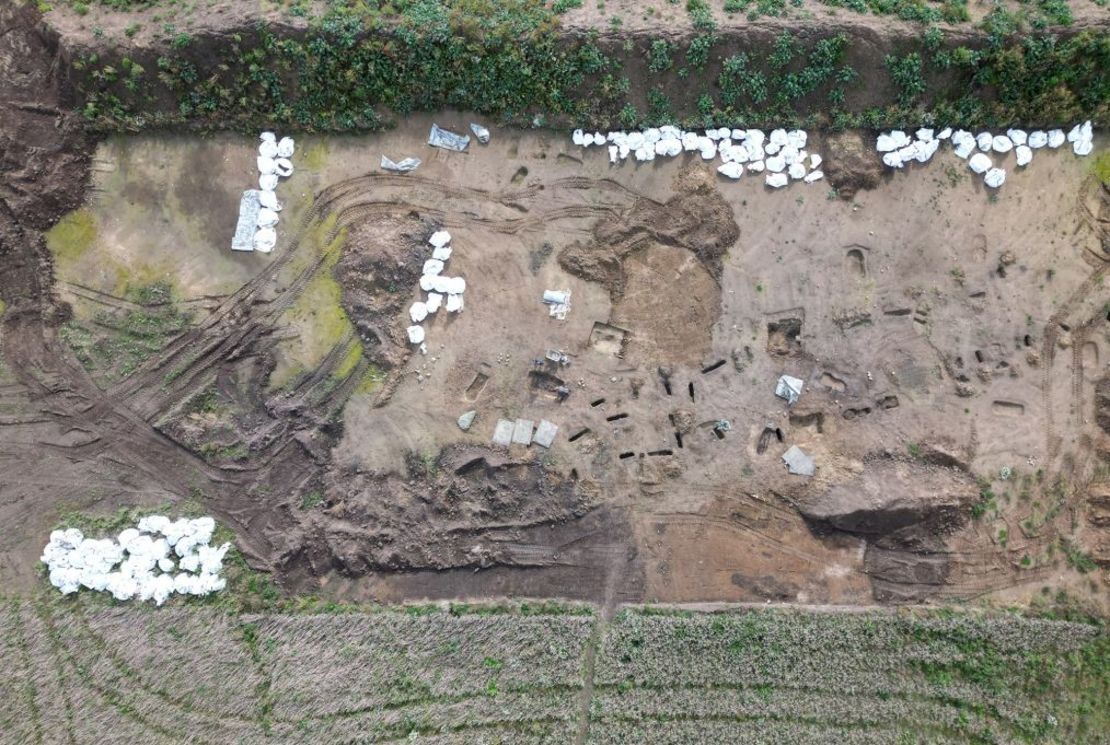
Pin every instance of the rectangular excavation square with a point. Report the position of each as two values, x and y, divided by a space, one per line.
608 339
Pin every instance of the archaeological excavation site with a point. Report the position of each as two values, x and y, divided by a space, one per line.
587 371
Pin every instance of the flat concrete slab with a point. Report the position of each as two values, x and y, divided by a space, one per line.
522 432
503 433
545 433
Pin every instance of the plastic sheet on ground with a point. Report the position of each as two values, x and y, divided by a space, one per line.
480 132
249 207
545 434
798 462
447 140
789 388
403 166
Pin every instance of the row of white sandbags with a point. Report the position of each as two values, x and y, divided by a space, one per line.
155 559
442 290
898 148
273 163
781 155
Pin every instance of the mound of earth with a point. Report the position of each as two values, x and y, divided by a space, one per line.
459 509
852 163
697 219
892 495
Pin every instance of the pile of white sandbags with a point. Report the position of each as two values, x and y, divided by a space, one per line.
780 156
442 291
157 558
898 148
273 163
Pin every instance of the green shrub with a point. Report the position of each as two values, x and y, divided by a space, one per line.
907 76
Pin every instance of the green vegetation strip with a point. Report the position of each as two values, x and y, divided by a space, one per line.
516 671
360 63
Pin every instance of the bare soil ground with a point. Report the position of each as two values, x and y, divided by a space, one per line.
926 317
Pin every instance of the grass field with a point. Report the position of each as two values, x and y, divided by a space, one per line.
83 671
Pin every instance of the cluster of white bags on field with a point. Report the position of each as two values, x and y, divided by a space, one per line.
273 164
442 291
899 148
155 559
780 156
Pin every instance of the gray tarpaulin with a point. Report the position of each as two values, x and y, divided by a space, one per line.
447 140
403 166
797 462
249 207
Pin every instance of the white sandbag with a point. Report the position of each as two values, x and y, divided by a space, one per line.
985 141
925 134
267 218
440 284
797 138
614 153
267 149
797 171
432 267
285 147
778 137
443 253
265 240
435 299
269 200
454 303
439 238
814 176
979 163
944 134
1023 154
892 159
456 285
266 165
995 178
415 334
1017 136
267 137
283 167
776 164
756 166
1055 138
1038 139
268 181
426 282
815 161
732 170
1083 147
965 148
578 137
1002 144
418 311
777 180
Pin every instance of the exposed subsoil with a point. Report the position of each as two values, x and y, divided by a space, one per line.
666 481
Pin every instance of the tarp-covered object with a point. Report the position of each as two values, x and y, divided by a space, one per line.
447 140
403 166
789 388
249 207
797 462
